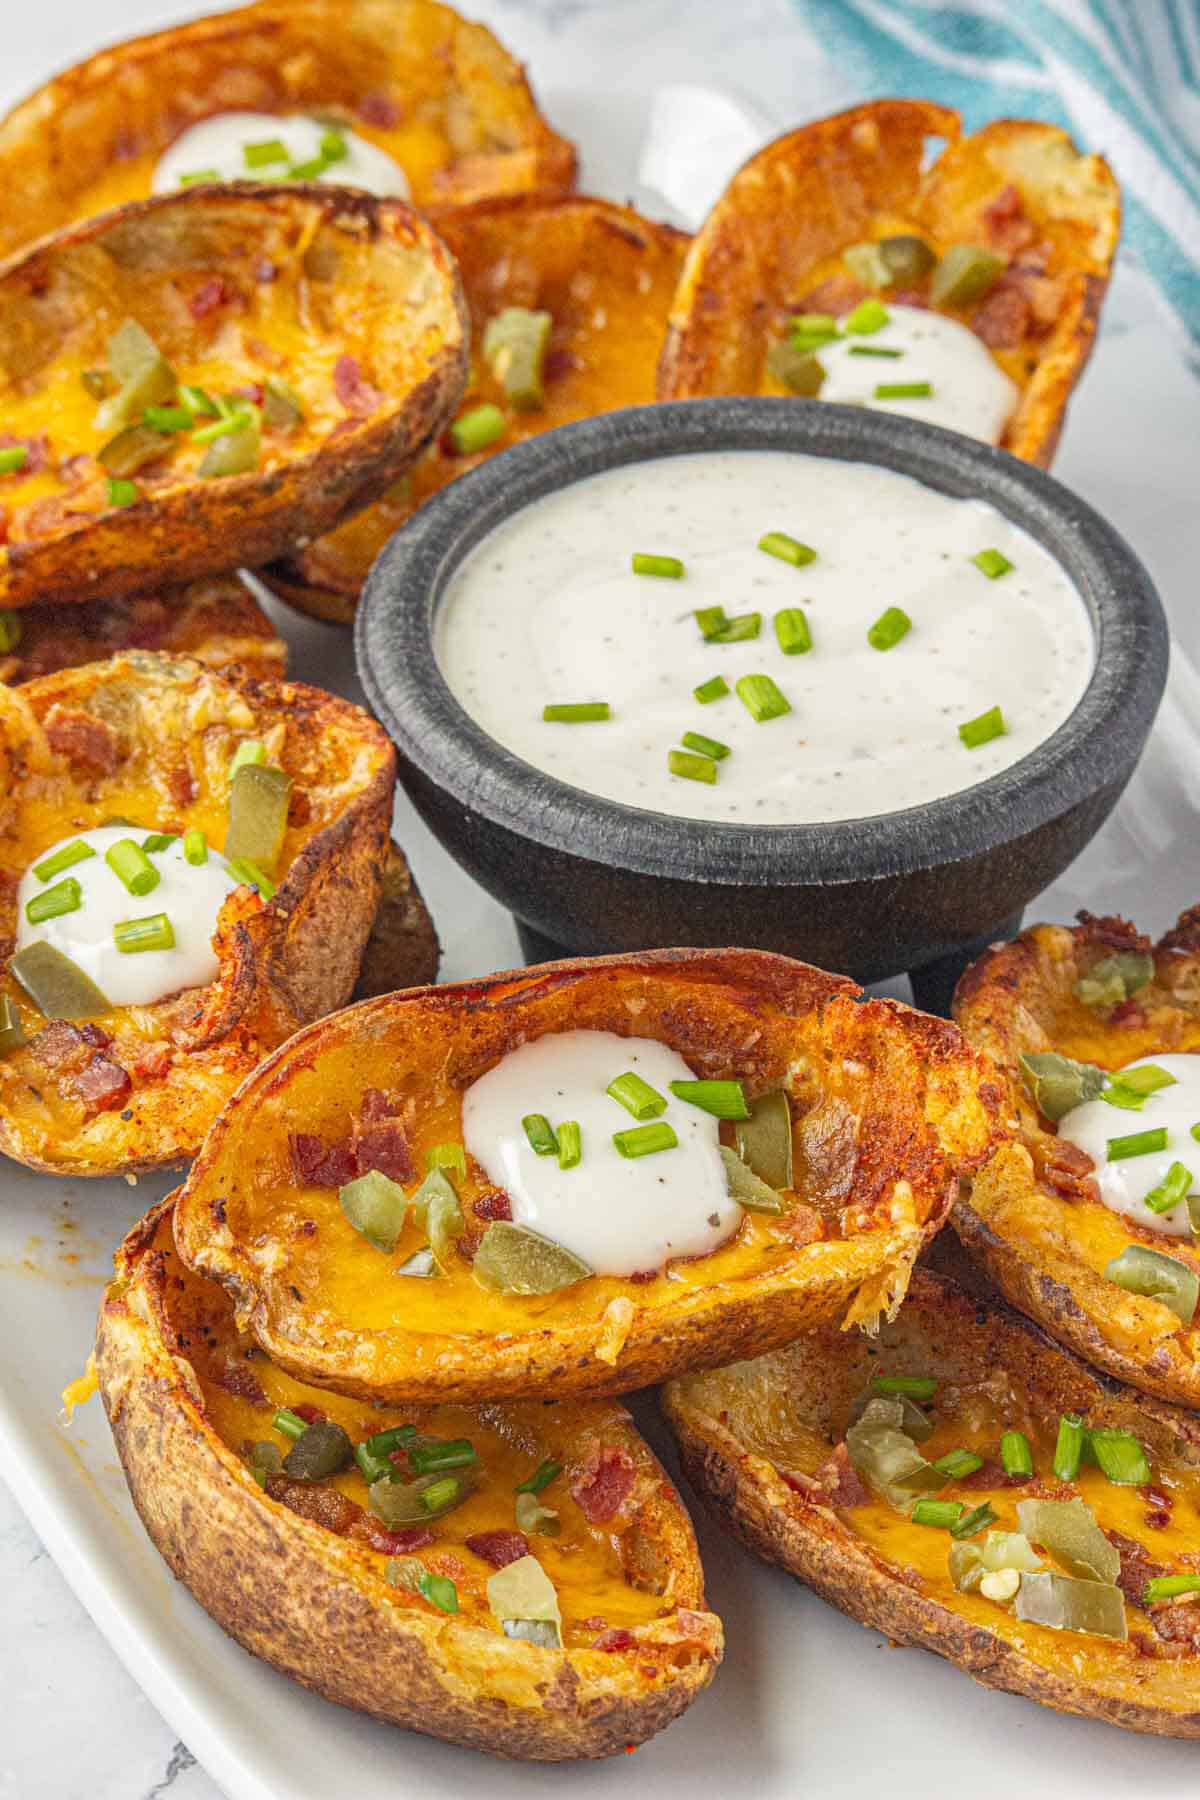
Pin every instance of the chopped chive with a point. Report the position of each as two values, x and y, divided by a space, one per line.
761 698
198 175
447 1156
980 731
195 847
943 1514
714 689
791 629
158 841
1169 1587
198 403
915 1387
541 1478
250 751
873 350
476 429
1148 1078
439 1590
690 767
645 1140
66 858
132 867
333 146
308 171
232 421
695 740
646 564
903 390
1194 1131
432 1458
152 933
813 324
1068 1450
739 630
1016 1457
637 1096
974 1521
711 620
868 316
787 549
271 150
891 625
1175 1186
248 874
288 1423
441 1493
1137 1143
956 1465
992 563
1121 1456
540 1132
581 712
723 1099
168 418
1117 1094
12 458
570 1144
64 897
121 491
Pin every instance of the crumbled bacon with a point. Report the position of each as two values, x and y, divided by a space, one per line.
376 1106
838 1480
1158 1507
252 391
316 1164
181 784
308 1412
1005 222
384 1147
604 1484
379 109
356 393
369 1531
494 1204
1003 318
235 1375
617 1639
102 1085
37 449
803 1225
499 1548
86 742
312 1500
211 294
60 1046
1067 1169
992 1474
559 363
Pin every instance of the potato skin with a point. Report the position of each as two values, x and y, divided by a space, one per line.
354 58
316 1607
925 1113
858 174
964 1337
1032 1238
60 298
402 949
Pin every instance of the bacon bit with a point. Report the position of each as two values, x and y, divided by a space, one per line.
992 1474
376 1106
1158 1508
560 363
641 1276
153 1063
391 1543
597 1622
838 1481
37 450
102 1085
616 1639
96 1036
910 297
211 294
234 1374
181 784
838 294
253 392
60 1046
495 1204
326 1506
1179 1626
1003 319
803 1225
3 525
299 808
466 1247
379 109
499 1548
1129 1012
355 392
605 1483
308 1412
385 1148
86 742
1006 223
316 1165
1068 1170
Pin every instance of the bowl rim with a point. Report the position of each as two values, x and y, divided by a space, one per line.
438 738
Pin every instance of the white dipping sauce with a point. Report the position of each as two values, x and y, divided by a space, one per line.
1124 1184
219 144
546 609
191 896
971 392
621 1215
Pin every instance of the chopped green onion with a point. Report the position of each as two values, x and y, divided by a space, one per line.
152 933
12 458
121 492
248 874
1158 1277
581 712
739 630
570 1144
66 858
646 564
1125 1099
10 630
916 1387
992 563
723 1099
439 1590
956 1465
440 1494
476 429
272 150
541 1478
333 146
873 350
787 549
1147 1078
791 629
65 897
538 1130
1016 1457
249 751
1137 1143
695 740
195 847
1175 1186
891 625
868 316
132 867
903 390
814 324
168 418
1168 1587
448 1156
1120 1455
200 404
1068 1450
158 841
373 1455
974 1521
711 620
645 1140
288 1423
761 698
691 767
432 1458
944 1514
637 1096
714 689
980 731
198 175
232 420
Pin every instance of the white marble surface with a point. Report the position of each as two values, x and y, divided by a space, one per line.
75 1723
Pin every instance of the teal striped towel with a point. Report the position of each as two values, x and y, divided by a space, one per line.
1123 76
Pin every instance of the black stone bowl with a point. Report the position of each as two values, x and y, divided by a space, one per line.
918 890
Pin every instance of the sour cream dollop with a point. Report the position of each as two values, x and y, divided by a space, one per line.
190 895
621 1216
1125 1183
970 391
219 144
